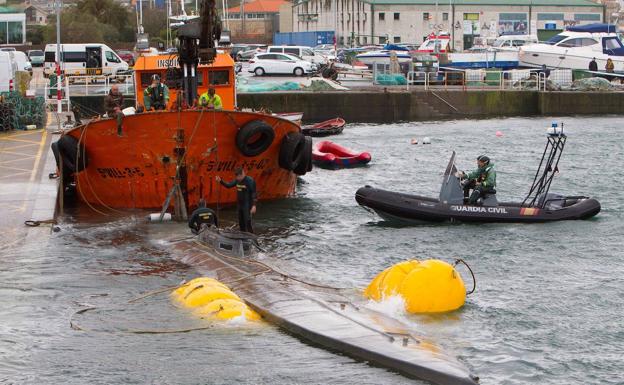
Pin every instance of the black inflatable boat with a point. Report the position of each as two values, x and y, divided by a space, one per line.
540 205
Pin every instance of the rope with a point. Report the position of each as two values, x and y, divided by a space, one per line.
34 223
78 187
154 292
474 280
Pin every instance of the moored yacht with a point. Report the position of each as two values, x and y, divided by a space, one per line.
575 48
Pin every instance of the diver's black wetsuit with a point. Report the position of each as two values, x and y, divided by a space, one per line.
247 198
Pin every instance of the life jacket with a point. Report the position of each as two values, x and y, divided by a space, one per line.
157 94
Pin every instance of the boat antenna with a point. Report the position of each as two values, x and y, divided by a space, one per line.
548 167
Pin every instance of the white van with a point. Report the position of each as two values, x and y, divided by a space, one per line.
84 59
306 53
21 61
7 72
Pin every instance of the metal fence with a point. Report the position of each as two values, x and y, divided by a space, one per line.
481 79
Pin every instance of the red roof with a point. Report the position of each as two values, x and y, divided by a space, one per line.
260 6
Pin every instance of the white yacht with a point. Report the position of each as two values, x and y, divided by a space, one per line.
575 48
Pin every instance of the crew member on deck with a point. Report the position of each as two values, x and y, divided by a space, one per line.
210 100
482 180
246 197
156 95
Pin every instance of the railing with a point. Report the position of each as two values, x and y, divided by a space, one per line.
518 79
100 84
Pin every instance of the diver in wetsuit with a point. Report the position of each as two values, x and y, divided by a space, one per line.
482 181
246 197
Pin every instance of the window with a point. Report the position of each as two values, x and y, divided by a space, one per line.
15 32
382 40
50 56
276 49
445 16
397 39
611 43
555 39
73 57
512 23
268 56
426 16
549 16
396 16
146 78
578 42
307 52
111 57
587 17
282 57
382 16
294 51
217 78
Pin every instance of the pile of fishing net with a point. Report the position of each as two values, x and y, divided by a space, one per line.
17 111
391 79
243 85
592 84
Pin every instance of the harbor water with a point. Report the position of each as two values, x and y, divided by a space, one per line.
547 310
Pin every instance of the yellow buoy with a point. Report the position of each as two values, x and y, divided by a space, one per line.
227 309
212 298
430 286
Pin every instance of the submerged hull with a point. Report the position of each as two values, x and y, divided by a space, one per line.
135 168
412 208
323 316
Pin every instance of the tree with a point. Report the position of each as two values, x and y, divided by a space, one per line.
94 21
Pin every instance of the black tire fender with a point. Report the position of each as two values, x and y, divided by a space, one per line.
292 151
254 138
305 164
200 216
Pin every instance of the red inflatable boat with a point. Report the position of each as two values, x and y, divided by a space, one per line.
330 155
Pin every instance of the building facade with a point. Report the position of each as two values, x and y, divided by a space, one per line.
411 21
255 21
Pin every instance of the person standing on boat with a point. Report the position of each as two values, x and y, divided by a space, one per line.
593 66
482 180
156 95
210 100
113 102
245 195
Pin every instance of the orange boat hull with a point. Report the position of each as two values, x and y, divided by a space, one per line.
137 169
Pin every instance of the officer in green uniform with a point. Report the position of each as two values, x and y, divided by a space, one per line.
245 195
156 95
210 100
482 181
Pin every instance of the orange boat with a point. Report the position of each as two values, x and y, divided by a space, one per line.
142 163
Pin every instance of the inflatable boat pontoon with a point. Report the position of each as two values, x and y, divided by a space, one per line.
540 205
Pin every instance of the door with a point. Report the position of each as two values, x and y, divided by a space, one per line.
111 63
284 64
471 29
94 62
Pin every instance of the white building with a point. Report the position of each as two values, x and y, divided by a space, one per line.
410 21
12 28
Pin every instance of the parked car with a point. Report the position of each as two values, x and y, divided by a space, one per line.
36 57
303 52
279 63
127 56
249 53
21 61
236 48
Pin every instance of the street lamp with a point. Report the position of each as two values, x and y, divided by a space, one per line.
58 4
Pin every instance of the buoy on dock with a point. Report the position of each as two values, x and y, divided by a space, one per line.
430 286
426 140
499 134
211 298
414 141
